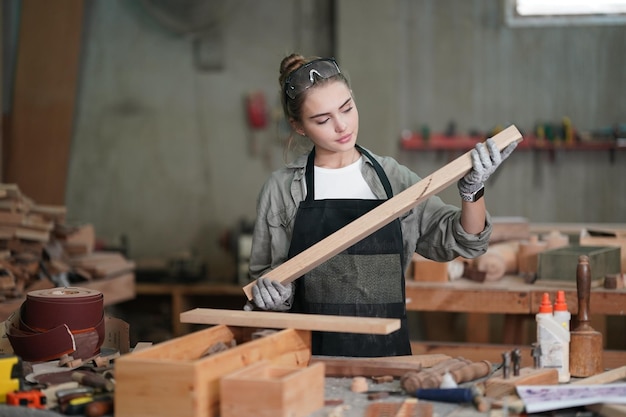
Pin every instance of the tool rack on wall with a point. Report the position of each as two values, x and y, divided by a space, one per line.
462 143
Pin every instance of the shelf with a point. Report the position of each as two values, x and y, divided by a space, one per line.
441 142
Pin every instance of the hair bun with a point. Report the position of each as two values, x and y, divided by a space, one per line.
288 65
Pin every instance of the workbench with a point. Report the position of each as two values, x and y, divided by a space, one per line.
510 296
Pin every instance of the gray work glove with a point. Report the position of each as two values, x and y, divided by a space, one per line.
269 294
486 158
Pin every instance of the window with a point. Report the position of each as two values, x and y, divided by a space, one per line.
519 13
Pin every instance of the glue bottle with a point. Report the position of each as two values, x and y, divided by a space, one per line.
553 338
563 317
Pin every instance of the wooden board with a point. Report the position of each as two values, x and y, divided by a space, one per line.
380 216
497 387
277 320
395 366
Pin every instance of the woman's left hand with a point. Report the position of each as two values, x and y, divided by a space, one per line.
486 158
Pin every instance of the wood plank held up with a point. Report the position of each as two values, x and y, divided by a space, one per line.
278 320
380 216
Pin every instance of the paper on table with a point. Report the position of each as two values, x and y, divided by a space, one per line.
539 398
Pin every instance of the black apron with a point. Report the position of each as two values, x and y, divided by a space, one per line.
366 280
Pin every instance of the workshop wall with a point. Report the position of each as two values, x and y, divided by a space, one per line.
162 152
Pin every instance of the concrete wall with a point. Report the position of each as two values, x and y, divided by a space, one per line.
161 151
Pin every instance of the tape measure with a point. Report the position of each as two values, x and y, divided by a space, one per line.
11 375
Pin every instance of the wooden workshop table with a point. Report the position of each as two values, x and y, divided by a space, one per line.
510 296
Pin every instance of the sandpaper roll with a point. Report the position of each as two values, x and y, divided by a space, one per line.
59 321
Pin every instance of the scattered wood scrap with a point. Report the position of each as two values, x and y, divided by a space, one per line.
37 245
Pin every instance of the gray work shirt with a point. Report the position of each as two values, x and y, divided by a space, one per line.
432 228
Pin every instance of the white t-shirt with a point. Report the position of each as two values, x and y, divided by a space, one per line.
346 182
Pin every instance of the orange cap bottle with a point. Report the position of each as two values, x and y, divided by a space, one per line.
560 304
546 304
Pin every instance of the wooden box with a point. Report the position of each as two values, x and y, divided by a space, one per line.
560 264
175 378
266 390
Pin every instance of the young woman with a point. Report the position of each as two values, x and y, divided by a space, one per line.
332 185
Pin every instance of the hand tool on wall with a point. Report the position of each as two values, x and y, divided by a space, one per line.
586 346
382 215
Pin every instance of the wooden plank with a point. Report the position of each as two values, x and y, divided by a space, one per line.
497 386
380 216
604 378
42 116
278 320
395 366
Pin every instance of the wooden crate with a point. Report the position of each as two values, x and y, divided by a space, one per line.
560 264
266 390
173 378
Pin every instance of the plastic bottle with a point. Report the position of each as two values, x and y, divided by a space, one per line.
553 338
561 313
563 317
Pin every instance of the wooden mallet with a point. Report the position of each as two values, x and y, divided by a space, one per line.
586 347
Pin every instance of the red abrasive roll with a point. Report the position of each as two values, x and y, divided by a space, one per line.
58 321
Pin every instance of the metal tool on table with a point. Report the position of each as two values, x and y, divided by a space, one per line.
470 395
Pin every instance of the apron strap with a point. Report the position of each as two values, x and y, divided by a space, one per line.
379 170
308 175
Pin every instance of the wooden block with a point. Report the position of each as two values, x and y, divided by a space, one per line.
265 390
278 320
174 379
496 386
408 408
427 270
561 263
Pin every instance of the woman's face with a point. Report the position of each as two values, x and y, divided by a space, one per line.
330 117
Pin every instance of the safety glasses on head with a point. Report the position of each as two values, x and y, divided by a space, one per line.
305 76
